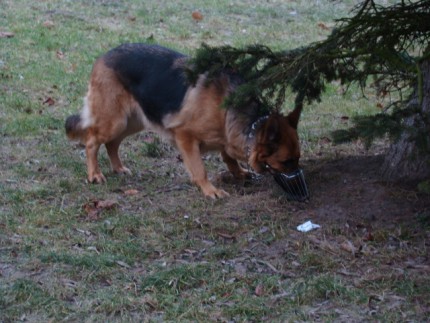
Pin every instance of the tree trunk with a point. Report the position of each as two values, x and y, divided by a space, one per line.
407 159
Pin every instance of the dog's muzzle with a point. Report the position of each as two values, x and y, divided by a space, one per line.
294 184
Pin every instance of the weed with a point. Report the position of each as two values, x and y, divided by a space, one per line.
153 149
176 279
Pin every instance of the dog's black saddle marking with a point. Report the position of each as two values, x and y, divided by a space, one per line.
153 75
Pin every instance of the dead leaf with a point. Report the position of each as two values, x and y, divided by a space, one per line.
323 26
92 248
85 232
71 68
268 264
69 283
48 24
197 16
60 54
259 290
92 212
368 236
148 300
281 295
323 244
122 264
413 265
49 101
106 204
6 34
226 236
347 273
349 247
94 208
131 192
325 140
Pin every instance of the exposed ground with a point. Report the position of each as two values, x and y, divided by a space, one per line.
149 247
152 248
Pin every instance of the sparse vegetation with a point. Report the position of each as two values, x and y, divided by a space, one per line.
149 247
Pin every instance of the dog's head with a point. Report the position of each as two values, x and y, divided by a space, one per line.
277 144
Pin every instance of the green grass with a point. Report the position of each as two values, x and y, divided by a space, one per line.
165 253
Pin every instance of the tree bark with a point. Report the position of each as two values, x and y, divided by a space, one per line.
406 159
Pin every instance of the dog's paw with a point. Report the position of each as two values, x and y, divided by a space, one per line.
97 179
122 170
216 194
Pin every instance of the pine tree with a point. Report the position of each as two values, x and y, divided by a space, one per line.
383 48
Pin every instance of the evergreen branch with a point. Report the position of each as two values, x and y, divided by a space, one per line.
386 43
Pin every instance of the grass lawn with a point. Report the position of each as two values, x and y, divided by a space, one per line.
150 247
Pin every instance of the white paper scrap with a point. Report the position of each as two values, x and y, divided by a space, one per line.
307 226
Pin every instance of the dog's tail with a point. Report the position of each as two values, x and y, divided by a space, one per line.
74 128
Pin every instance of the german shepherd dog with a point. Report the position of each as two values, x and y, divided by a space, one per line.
140 86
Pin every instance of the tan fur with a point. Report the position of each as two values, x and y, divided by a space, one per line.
111 114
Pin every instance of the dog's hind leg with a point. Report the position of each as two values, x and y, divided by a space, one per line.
112 148
112 141
111 114
92 147
131 125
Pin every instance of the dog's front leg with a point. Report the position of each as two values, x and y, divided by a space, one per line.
234 167
190 151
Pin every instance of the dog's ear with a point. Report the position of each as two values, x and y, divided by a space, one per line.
294 116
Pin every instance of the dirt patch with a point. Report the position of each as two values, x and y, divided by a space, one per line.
368 260
372 232
350 189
